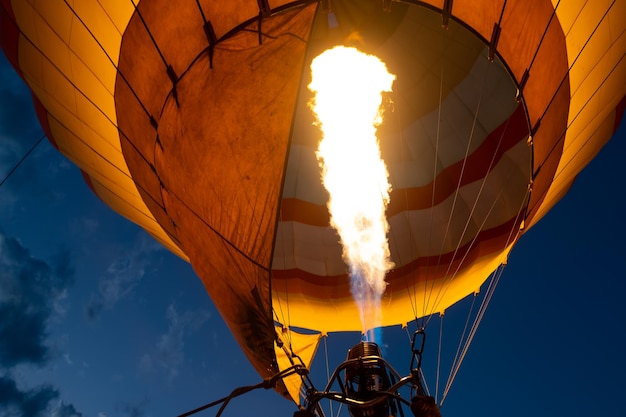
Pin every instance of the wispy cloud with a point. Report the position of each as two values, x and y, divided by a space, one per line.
133 409
168 355
31 291
123 275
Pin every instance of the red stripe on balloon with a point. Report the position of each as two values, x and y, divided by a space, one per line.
477 166
423 268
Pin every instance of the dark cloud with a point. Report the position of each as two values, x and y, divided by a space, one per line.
24 403
22 335
29 290
66 410
37 402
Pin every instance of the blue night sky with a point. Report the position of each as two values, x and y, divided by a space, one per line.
96 319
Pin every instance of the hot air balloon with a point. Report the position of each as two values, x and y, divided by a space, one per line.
192 119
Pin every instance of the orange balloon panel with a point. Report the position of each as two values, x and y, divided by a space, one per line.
190 118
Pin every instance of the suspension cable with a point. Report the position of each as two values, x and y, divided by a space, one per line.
426 298
462 337
32 148
450 277
483 307
328 373
441 317
489 294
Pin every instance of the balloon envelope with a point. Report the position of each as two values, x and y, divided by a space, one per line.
191 119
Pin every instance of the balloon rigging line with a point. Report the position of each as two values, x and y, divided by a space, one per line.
115 167
113 63
423 379
558 173
267 383
128 84
106 116
488 295
392 236
154 42
471 244
285 283
469 218
554 146
483 308
330 402
467 150
464 343
201 11
462 337
543 36
412 249
536 51
485 302
78 136
281 319
566 77
448 280
408 335
435 164
441 318
502 12
218 234
168 69
225 400
274 37
132 145
32 148
431 212
339 409
297 4
573 158
104 10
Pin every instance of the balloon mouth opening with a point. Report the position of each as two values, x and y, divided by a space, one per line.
459 167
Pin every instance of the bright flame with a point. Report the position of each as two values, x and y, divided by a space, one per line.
348 87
